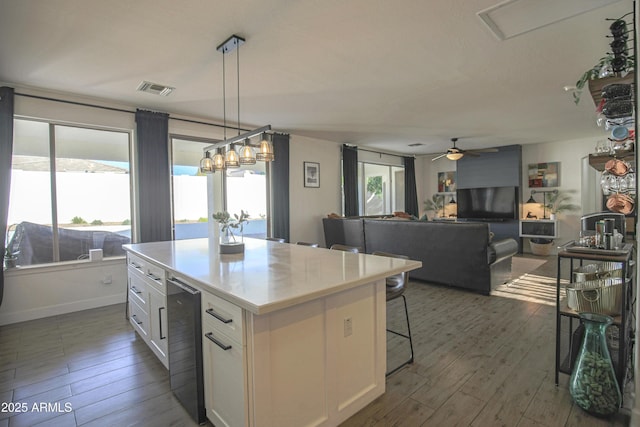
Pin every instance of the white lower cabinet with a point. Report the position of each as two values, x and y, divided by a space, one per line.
158 321
224 379
299 366
148 305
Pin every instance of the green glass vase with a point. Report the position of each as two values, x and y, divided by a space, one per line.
593 383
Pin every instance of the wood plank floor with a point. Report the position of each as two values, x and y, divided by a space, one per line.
479 361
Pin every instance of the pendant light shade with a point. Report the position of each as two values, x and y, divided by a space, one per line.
265 153
247 154
206 164
232 160
218 161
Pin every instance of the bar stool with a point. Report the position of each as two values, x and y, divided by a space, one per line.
275 239
345 248
396 286
313 245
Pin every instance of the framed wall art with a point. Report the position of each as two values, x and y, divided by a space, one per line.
544 174
446 182
312 174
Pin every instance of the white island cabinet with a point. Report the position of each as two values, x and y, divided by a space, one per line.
291 335
147 297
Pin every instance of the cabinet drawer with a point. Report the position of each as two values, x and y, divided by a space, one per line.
135 263
154 274
155 277
222 317
139 319
138 291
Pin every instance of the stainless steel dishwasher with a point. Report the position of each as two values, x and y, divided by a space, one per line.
185 347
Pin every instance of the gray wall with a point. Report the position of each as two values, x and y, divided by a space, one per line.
500 169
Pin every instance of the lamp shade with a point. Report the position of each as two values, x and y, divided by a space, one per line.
218 162
247 154
454 156
531 200
265 152
232 160
206 164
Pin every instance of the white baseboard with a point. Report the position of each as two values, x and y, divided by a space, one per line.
53 310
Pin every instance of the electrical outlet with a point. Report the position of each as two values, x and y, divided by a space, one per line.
107 280
348 326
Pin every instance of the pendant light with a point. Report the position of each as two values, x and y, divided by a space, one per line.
206 164
232 160
265 152
218 161
247 154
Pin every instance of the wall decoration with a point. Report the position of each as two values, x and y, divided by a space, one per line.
544 174
312 174
446 182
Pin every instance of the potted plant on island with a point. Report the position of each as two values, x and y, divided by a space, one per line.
228 242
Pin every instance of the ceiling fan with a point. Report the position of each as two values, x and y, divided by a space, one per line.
455 153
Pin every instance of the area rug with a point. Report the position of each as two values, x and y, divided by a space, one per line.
531 282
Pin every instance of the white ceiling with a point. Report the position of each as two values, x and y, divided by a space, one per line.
376 73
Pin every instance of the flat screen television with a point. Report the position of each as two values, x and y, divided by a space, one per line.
488 203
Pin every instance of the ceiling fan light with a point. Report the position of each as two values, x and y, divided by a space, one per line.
454 156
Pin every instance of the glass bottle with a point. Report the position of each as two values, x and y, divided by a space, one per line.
593 383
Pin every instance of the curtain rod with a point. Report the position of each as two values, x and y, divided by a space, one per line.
120 110
377 152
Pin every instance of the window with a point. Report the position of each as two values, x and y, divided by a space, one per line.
246 189
381 188
190 215
70 192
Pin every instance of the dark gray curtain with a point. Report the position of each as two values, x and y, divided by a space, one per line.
6 151
410 192
154 176
350 180
279 169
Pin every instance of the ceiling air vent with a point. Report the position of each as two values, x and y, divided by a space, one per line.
155 88
417 144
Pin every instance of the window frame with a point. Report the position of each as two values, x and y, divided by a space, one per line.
53 185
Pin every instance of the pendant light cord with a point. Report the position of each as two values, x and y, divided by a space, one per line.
224 96
238 78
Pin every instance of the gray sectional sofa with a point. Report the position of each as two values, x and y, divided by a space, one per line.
454 254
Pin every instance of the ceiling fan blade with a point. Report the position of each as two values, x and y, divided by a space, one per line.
472 153
439 157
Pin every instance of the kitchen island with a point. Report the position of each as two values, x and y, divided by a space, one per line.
299 332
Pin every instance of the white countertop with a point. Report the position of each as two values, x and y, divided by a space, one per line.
269 275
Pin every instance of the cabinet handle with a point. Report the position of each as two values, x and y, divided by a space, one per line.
217 316
225 347
133 288
153 277
160 320
139 267
135 319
